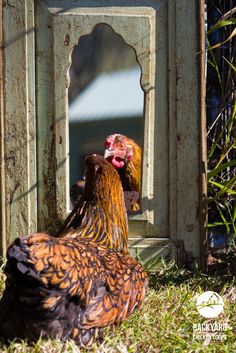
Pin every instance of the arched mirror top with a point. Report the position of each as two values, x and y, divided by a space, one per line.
138 32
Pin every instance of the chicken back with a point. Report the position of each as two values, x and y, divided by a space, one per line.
67 288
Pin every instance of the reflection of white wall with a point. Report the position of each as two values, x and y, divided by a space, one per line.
112 103
114 94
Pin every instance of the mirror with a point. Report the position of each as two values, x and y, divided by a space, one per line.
105 98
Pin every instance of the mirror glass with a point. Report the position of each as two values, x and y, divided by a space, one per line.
105 98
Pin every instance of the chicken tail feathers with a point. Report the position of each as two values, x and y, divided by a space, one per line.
18 265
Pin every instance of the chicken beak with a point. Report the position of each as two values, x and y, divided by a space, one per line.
108 153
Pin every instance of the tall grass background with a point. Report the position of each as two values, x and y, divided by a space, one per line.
221 116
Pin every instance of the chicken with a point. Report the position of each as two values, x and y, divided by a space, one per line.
73 287
126 156
100 213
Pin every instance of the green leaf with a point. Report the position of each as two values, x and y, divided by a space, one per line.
220 24
234 111
215 224
211 63
219 169
226 224
230 183
230 64
221 186
225 187
224 154
234 213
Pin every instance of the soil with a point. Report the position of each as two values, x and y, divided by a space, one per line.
222 261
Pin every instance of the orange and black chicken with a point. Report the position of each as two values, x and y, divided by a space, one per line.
74 286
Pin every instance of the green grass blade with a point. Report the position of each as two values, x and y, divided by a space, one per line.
230 64
224 154
220 168
216 224
221 24
226 224
215 144
225 187
234 213
224 41
214 61
220 185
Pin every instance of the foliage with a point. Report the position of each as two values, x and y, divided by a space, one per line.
222 129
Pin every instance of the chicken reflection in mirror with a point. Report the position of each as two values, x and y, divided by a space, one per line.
126 156
105 97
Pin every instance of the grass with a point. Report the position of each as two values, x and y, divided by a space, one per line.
164 323
221 74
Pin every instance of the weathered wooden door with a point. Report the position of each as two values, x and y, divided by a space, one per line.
37 39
